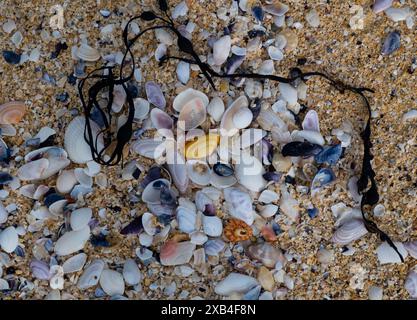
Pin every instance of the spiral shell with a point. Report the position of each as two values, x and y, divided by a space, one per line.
12 112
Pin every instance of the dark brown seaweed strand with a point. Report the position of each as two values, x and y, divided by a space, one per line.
367 178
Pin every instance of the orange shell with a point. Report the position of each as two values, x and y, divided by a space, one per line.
237 230
268 233
12 112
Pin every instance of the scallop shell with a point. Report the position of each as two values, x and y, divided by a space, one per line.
160 119
349 231
87 53
227 124
76 146
186 96
199 172
75 263
216 108
187 220
12 112
91 275
239 204
192 114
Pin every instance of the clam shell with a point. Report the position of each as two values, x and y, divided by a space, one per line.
155 94
91 275
151 194
3 214
75 263
198 238
142 107
221 50
227 124
9 239
33 170
149 148
235 283
267 254
277 8
216 108
249 173
386 254
80 218
57 208
269 210
119 98
131 272
39 269
178 171
212 226
311 121
239 204
411 284
76 146
160 119
187 220
183 72
87 53
202 200
222 182
40 192
311 136
112 282
214 247
83 178
66 181
242 118
192 114
186 96
149 223
349 231
12 112
176 253
268 196
72 241
199 172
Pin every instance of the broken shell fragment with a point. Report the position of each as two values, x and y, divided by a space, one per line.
216 108
235 283
239 204
199 172
87 53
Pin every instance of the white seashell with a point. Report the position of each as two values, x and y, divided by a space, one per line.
386 254
160 51
93 168
87 53
66 181
3 214
212 226
33 170
221 50
131 272
150 194
269 210
142 107
192 114
222 182
375 293
164 37
9 26
78 150
242 118
178 171
349 231
8 130
187 220
312 18
4 285
251 136
411 247
44 133
238 50
235 283
268 196
174 253
289 205
253 89
198 238
398 14
112 282
216 108
145 239
83 178
311 121
75 263
186 96
180 10
381 5
119 98
199 172
227 124
310 136
239 204
9 239
410 115
411 284
91 275
249 171
149 148
183 72
57 208
267 67
288 93
80 218
72 241
275 53
148 222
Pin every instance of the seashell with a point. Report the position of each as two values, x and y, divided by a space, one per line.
312 18
268 196
398 14
221 181
80 191
112 282
375 293
249 172
76 146
151 194
160 51
93 168
237 230
183 72
83 178
187 220
131 272
160 119
175 253
349 231
12 112
80 218
223 170
3 214
149 223
145 239
75 263
329 155
155 94
289 205
275 53
40 192
199 172
178 170
214 247
386 254
180 10
203 147
250 137
253 89
391 43
411 247
91 275
267 67
39 269
313 137
381 5
228 123
164 37
4 152
212 226
221 50
288 93
57 208
235 283
269 210
411 284
324 177
324 256
44 133
9 239
33 170
409 115
198 238
233 63
239 204
216 108
119 98
4 285
149 148
186 96
87 53
267 254
72 241
192 114
142 107
291 37
276 8
268 119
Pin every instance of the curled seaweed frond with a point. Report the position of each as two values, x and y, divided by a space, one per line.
366 184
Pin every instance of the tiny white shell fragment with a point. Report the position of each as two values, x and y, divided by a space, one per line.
216 108
288 92
268 196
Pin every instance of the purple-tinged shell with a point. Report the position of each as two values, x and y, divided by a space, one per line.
272 176
213 247
349 231
155 94
381 5
154 173
329 155
311 121
40 269
267 151
233 63
411 247
159 209
301 149
134 227
392 43
324 177
210 210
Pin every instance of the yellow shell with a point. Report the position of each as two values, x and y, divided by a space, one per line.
12 112
202 147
